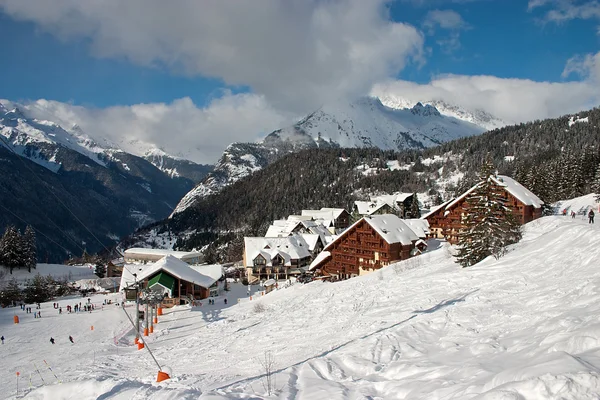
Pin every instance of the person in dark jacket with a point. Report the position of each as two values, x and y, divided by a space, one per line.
52 340
591 216
71 339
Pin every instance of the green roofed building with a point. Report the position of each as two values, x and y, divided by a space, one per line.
176 280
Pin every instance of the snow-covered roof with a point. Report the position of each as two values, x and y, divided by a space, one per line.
369 207
289 248
519 191
419 226
213 271
178 269
322 256
311 239
513 187
435 208
392 228
160 252
324 213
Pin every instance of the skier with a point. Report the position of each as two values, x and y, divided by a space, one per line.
52 340
2 338
71 339
591 216
573 214
225 301
60 310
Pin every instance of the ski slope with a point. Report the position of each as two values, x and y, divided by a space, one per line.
522 327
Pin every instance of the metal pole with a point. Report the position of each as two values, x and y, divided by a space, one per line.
147 326
137 309
143 341
152 317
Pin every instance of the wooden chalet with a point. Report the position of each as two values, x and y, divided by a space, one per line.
176 280
336 219
446 221
275 258
371 243
397 203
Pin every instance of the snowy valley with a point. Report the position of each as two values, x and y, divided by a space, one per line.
522 327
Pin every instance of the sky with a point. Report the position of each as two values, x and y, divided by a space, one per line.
234 71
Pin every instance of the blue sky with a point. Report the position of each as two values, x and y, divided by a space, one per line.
500 38
192 77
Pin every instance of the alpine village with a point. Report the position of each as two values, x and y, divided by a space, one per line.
300 200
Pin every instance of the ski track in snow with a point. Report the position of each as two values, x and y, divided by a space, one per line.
522 327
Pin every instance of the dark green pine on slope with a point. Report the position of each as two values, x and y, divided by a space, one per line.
489 226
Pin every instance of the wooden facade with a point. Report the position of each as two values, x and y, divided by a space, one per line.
361 250
446 222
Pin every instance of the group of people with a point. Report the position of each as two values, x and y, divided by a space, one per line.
590 215
53 341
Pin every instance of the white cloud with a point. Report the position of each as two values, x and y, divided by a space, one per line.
445 19
450 21
297 53
179 128
512 100
587 67
566 10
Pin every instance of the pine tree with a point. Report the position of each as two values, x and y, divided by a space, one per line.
10 294
11 248
488 225
29 248
37 290
415 211
100 270
596 183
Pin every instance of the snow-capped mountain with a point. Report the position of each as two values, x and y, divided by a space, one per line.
23 131
362 123
113 191
478 117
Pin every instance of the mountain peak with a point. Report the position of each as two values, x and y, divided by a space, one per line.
425 110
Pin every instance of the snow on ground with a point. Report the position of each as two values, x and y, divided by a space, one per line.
522 327
58 271
581 205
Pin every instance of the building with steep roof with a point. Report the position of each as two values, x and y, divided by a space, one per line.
447 220
275 257
369 244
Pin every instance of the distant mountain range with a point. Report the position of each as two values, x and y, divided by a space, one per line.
363 123
112 192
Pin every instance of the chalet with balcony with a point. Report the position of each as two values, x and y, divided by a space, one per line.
176 280
371 243
447 220
275 258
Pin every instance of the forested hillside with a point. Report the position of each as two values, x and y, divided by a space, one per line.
555 158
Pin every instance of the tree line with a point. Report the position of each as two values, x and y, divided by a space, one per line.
39 289
553 159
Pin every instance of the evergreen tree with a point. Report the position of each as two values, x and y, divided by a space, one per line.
38 290
488 226
415 211
30 248
10 294
11 249
595 186
100 270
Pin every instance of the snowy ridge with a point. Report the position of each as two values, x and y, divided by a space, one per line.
23 125
478 117
368 123
522 327
238 161
22 133
365 122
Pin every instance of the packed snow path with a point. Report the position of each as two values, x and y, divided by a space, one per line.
522 327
